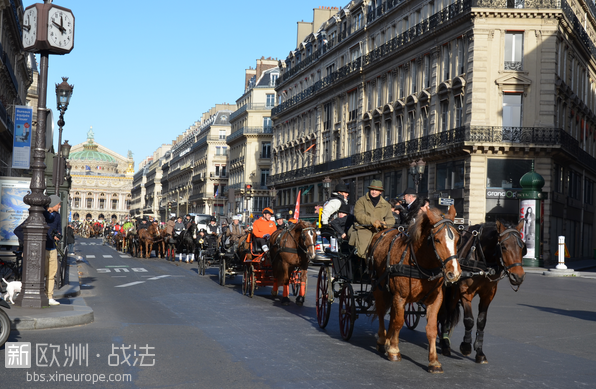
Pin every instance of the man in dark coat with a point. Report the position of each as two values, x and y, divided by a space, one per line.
413 204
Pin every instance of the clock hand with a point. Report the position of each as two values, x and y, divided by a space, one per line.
62 29
27 27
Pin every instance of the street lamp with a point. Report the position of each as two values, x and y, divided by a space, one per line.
63 95
417 171
273 195
326 185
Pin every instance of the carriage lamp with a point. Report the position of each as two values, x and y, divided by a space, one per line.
66 149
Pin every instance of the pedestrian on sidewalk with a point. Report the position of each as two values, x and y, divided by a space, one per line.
70 238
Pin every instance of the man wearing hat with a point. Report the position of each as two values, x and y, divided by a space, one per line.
338 197
372 213
413 204
235 230
263 228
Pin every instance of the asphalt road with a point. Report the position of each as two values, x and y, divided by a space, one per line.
204 335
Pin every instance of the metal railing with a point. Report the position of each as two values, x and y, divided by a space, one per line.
249 130
451 139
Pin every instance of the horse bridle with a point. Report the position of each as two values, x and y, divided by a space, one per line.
444 223
302 235
515 233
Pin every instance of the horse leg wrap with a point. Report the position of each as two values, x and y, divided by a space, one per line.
468 336
302 289
479 340
286 291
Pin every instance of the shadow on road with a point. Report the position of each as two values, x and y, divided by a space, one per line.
584 315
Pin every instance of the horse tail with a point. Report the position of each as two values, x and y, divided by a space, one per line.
450 309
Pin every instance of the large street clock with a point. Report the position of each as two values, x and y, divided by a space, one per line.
48 28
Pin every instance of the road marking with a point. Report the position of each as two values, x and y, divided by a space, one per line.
129 284
125 256
157 278
117 266
90 256
83 244
118 276
107 256
122 269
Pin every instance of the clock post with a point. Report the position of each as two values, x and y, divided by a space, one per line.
38 38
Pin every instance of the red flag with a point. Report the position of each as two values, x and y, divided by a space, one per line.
297 209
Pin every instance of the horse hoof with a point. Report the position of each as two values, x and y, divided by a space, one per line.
274 293
465 348
381 348
481 359
394 357
435 369
285 301
300 300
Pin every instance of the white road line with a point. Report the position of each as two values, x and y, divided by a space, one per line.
90 256
129 284
157 278
118 276
125 256
107 256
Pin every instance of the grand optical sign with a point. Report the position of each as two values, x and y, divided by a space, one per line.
501 194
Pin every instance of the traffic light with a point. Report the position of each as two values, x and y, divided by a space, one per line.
169 207
248 187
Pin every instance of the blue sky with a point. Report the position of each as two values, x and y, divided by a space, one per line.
145 71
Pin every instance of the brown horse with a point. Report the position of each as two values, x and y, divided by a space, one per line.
119 240
147 237
411 268
292 248
489 253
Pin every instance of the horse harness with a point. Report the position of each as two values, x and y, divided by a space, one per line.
285 233
414 271
481 263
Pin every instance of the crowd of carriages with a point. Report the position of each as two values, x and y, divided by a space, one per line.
183 238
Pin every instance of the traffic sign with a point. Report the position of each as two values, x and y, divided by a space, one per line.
446 201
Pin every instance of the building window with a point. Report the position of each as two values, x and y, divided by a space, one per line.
427 71
378 135
425 121
274 79
266 150
77 202
402 83
512 110
575 184
460 56
223 171
514 46
270 100
446 64
450 175
444 115
217 170
367 142
264 176
89 203
352 105
399 122
588 191
506 173
128 205
114 204
459 111
412 124
328 114
515 3
388 137
390 88
217 150
414 78
102 203
559 179
222 134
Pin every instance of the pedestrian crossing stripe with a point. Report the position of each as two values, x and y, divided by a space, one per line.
107 256
90 256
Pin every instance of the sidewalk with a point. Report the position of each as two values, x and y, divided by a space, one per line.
71 312
585 268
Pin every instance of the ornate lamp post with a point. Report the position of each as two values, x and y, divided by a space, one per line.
326 185
63 95
417 171
273 195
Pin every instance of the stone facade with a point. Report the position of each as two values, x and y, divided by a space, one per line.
250 140
101 182
480 90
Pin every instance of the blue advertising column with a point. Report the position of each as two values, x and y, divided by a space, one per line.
530 207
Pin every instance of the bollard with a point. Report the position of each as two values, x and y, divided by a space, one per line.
561 264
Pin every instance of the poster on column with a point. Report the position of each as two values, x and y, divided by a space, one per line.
21 142
13 210
527 211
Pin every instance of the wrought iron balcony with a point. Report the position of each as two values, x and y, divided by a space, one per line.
452 139
249 130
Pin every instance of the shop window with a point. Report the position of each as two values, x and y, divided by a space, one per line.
450 175
506 173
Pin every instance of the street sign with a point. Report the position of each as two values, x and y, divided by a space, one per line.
444 201
459 220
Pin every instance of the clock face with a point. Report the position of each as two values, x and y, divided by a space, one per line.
60 29
29 27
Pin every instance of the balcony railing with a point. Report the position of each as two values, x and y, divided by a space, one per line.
249 107
513 65
249 130
452 139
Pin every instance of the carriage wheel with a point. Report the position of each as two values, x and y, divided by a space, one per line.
323 302
202 265
245 280
252 282
347 312
222 272
4 327
412 315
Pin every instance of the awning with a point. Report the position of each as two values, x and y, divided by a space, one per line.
308 189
